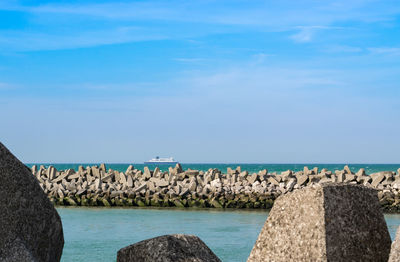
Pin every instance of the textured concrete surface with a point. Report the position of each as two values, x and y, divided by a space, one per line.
168 248
395 250
30 227
328 222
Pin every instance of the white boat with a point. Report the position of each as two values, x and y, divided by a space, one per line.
161 161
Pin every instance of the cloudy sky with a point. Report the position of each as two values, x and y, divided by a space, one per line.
203 81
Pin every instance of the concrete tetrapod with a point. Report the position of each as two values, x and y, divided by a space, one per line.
168 248
30 227
328 222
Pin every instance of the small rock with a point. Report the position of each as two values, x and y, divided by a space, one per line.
168 248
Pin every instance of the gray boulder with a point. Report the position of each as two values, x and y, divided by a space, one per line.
168 248
30 227
328 222
395 250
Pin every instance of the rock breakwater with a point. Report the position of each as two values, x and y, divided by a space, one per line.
97 186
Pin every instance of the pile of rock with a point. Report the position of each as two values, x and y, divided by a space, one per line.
97 186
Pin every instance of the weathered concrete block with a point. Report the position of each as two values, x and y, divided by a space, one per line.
103 167
347 170
272 180
329 222
252 178
191 172
30 227
377 178
302 179
168 248
146 173
395 250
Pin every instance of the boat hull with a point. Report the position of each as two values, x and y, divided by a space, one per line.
161 163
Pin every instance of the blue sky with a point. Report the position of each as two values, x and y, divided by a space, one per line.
203 81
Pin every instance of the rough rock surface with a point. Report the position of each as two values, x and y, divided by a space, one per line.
395 250
93 186
168 248
30 227
328 222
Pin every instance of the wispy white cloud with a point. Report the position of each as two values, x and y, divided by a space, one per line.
391 51
260 58
265 104
306 33
37 40
238 12
53 19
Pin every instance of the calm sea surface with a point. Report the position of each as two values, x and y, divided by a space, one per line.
369 168
96 234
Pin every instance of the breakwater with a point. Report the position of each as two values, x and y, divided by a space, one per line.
235 188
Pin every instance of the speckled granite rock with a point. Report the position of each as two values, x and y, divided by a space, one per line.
329 222
168 248
30 227
395 250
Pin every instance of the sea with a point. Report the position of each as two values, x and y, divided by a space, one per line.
369 168
94 234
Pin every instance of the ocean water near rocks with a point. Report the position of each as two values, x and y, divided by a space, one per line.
96 234
369 168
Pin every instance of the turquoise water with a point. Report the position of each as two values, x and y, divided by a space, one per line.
370 168
96 234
